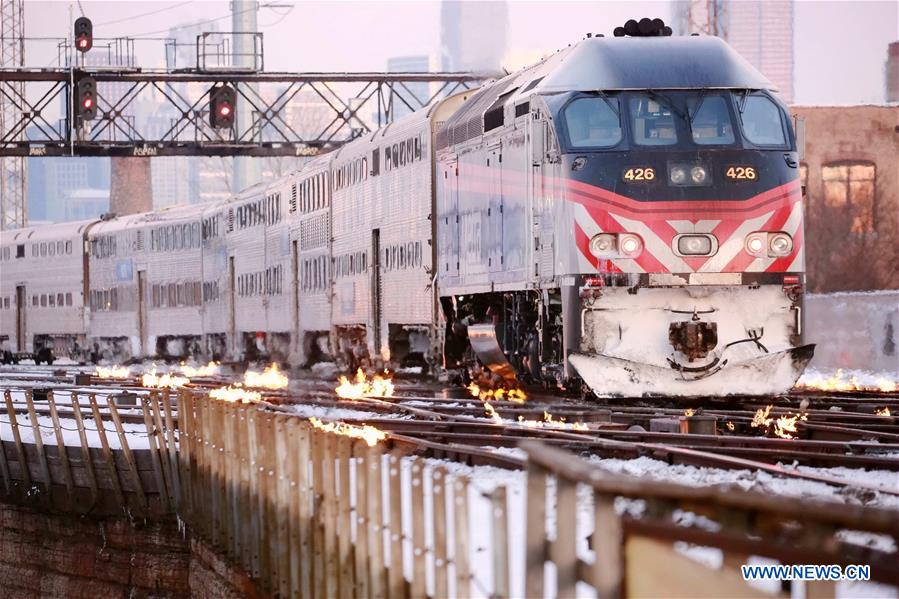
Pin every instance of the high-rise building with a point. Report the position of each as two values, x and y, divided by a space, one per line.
410 95
892 69
473 35
760 30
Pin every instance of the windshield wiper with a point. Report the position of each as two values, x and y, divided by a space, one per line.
690 117
603 95
743 98
667 102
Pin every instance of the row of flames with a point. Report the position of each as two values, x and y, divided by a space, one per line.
361 386
840 382
513 395
549 421
784 427
270 378
369 434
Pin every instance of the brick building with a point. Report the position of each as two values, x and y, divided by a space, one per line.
851 176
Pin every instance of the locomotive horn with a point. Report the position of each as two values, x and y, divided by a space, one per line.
631 28
645 26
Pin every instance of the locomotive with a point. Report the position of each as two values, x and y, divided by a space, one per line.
624 216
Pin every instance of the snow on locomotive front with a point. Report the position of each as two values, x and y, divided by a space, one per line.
664 195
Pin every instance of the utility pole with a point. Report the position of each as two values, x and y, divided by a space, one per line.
243 24
13 173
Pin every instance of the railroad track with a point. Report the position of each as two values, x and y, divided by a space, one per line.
841 429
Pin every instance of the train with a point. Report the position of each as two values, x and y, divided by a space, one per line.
623 218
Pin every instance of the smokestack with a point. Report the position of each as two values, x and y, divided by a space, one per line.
893 72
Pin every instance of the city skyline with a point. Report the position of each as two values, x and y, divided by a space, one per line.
305 38
433 39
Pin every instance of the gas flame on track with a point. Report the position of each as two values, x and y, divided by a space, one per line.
784 427
884 411
362 386
513 395
236 393
730 425
113 372
369 434
163 381
841 382
550 421
189 371
689 412
270 378
488 407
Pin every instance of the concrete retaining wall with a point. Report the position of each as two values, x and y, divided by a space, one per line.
854 330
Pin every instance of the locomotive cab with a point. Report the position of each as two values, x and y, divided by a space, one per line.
665 242
689 234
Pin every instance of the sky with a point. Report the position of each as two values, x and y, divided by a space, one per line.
840 45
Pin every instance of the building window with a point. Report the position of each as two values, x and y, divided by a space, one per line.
850 187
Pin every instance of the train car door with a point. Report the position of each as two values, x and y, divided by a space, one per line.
542 202
376 289
295 290
494 239
142 310
232 284
20 317
450 225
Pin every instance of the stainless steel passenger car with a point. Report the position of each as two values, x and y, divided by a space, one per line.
42 286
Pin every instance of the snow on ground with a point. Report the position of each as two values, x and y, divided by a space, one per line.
330 413
136 434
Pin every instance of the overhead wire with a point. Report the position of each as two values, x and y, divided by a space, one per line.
198 23
145 14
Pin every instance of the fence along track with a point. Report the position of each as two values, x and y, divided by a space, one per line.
635 555
309 513
90 475
304 510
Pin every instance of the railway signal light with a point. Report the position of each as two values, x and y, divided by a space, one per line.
222 104
84 34
86 98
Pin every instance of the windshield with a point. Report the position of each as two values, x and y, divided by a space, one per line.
761 120
710 121
593 122
673 119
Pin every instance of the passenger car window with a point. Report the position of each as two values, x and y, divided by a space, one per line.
652 122
710 121
762 124
593 123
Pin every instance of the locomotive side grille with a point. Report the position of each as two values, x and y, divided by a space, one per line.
314 232
468 123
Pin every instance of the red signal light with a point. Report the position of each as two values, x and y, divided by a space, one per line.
82 42
88 102
224 110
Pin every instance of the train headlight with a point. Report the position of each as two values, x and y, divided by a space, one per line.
616 245
755 244
779 244
604 245
699 174
695 245
769 244
688 174
630 245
